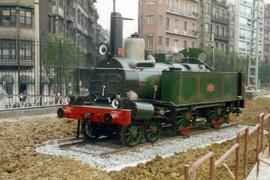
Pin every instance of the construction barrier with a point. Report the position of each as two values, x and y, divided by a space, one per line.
258 129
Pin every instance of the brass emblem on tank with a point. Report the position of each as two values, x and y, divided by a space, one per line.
210 88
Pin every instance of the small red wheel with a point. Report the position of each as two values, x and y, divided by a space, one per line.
216 117
184 131
216 123
184 123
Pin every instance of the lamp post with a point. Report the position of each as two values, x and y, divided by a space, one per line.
37 53
78 56
213 51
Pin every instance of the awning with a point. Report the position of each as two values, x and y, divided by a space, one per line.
25 79
7 78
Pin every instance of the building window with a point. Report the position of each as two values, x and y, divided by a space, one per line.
7 49
150 19
177 4
160 40
175 43
79 16
169 3
160 19
13 16
217 30
150 1
193 26
61 4
149 42
7 16
167 24
185 7
26 17
194 9
176 25
185 44
206 27
193 44
185 25
25 50
167 42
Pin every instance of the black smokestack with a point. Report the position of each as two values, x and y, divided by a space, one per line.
116 36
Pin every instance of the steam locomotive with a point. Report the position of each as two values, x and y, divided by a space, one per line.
133 98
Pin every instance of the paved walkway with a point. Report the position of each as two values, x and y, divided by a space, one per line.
264 173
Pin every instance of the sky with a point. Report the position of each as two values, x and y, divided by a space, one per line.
128 9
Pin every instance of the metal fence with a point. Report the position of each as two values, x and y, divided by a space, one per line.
32 101
64 69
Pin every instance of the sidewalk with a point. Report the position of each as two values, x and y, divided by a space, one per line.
264 172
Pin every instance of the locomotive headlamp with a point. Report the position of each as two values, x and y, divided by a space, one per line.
115 103
103 50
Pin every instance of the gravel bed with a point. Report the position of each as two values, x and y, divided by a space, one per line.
116 162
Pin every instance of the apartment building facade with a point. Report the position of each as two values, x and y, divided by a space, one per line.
216 25
267 34
74 19
245 30
250 36
25 24
168 25
17 29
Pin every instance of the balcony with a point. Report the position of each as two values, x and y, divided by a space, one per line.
246 3
58 11
70 18
13 62
192 34
181 12
222 3
220 20
221 37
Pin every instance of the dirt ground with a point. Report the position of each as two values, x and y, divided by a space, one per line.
19 161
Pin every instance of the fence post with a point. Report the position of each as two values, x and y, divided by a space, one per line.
246 151
261 119
258 151
268 136
212 168
237 159
187 172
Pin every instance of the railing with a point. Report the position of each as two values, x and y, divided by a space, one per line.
221 37
190 33
221 20
190 170
181 12
20 101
